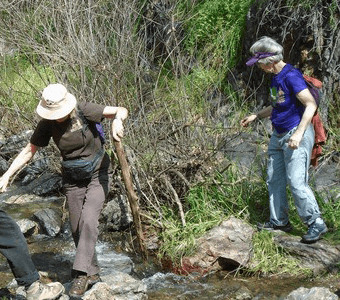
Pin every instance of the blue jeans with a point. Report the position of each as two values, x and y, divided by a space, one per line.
14 247
289 166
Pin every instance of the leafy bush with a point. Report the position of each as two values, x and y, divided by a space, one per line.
215 30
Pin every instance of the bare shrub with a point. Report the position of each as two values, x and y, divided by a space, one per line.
112 52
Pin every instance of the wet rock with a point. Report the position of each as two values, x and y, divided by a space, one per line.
99 291
110 260
118 286
20 198
319 257
15 143
37 166
116 215
126 287
4 165
27 226
226 247
48 184
243 294
50 221
316 293
123 283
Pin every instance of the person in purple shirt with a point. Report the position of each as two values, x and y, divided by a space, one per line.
290 147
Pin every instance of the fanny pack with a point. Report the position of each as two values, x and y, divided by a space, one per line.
80 169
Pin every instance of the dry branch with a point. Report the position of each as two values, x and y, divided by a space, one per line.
175 195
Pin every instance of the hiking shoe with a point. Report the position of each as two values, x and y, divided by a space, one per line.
93 279
41 291
270 226
79 286
314 232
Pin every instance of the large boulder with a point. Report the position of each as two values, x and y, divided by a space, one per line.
227 246
320 257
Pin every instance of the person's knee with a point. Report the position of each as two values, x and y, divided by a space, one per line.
90 225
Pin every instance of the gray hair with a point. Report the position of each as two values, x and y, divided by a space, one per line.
267 44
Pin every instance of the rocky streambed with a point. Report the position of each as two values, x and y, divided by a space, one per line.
127 276
35 202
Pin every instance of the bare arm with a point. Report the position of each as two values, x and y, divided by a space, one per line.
263 113
306 98
116 112
23 158
119 114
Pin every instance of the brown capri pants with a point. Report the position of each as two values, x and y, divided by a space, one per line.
85 201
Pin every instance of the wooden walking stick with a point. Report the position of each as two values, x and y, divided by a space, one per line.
133 199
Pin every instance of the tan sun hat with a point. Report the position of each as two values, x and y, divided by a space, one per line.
56 102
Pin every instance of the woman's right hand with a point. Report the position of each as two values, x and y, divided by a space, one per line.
117 129
23 158
245 122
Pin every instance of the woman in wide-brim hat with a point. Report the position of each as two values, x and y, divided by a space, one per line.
72 127
56 102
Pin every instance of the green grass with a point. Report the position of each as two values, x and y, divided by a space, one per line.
270 258
213 201
21 80
215 30
207 205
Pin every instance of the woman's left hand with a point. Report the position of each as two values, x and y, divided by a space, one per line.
117 129
294 140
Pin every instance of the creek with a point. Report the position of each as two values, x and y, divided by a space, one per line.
54 256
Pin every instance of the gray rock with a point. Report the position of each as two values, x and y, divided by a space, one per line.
99 291
246 151
50 220
230 245
15 143
27 226
315 293
326 177
110 260
319 257
123 283
4 165
47 184
117 214
13 198
117 286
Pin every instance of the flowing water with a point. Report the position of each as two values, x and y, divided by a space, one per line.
54 255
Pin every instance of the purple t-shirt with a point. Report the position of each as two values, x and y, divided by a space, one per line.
287 111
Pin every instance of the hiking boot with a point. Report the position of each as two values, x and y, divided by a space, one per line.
79 286
270 226
314 232
93 279
41 291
